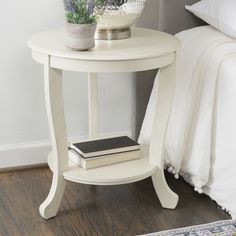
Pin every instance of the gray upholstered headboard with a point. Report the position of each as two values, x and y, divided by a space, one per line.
169 16
173 17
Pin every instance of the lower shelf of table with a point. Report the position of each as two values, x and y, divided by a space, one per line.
121 173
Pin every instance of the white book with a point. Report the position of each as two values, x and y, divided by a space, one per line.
99 161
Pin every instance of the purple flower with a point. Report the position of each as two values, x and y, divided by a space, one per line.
91 5
70 5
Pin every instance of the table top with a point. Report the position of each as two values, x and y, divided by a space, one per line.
143 43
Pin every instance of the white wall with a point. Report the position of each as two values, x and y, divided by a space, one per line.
24 135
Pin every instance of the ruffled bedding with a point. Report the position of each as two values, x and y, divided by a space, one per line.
201 135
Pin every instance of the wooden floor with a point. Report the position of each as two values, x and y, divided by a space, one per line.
101 211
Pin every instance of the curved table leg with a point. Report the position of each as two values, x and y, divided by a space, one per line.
56 119
49 207
167 197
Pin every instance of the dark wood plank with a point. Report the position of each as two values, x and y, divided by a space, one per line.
96 210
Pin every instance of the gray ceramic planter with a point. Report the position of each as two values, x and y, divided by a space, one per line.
80 36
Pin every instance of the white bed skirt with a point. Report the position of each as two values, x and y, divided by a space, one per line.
201 135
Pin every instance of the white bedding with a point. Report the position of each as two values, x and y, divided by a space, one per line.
201 135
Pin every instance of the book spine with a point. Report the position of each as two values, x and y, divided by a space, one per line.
74 157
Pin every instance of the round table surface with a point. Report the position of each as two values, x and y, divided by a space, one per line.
143 43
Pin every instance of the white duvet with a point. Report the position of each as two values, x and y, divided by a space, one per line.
201 135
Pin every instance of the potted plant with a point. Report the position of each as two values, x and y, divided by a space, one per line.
81 24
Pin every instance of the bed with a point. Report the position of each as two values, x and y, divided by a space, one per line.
201 135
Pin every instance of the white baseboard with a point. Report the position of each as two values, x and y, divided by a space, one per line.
34 153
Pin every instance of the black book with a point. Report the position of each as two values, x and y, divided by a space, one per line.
107 146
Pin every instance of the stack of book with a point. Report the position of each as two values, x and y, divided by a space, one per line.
103 152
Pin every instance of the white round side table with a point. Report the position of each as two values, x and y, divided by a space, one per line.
145 50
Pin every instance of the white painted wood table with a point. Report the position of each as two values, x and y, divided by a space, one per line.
145 50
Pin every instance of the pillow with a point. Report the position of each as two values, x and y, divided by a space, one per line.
221 14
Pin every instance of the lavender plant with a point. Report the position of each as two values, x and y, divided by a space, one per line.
80 11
